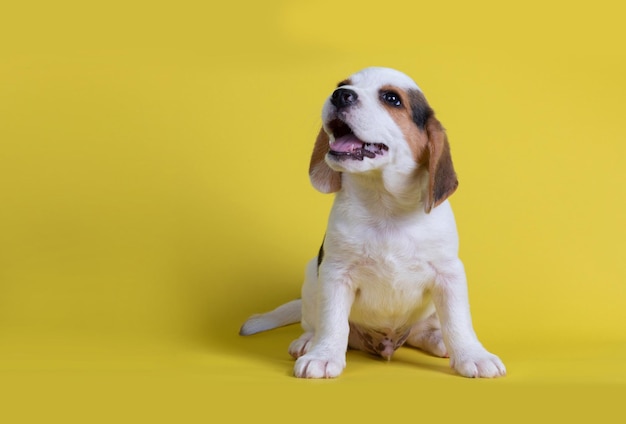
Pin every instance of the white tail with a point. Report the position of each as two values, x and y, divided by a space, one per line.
289 313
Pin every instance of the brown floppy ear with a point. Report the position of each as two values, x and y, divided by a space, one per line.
322 177
442 181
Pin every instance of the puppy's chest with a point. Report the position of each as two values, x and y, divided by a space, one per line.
391 277
386 264
397 245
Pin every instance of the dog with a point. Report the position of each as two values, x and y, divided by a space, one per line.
388 272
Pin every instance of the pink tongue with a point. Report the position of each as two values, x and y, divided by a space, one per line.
347 143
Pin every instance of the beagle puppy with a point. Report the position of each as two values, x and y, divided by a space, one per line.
388 272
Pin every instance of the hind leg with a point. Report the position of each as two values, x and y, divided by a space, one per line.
426 336
301 345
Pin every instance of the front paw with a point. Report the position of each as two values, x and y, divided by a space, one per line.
478 363
318 366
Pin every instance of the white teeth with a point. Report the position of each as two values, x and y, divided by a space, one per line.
370 147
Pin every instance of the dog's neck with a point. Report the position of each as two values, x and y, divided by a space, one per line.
386 194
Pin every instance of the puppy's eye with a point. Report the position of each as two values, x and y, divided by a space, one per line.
391 98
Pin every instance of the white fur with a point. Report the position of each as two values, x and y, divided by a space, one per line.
387 263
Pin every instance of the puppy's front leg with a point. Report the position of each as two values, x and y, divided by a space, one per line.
467 355
327 356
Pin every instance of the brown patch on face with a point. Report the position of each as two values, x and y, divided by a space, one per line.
427 140
344 82
413 103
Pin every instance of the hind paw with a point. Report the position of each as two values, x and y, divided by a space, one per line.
429 341
301 345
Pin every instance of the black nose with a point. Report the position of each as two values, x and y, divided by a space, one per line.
343 97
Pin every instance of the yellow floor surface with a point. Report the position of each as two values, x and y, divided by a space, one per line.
154 193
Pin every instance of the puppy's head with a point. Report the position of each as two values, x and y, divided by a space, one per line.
379 119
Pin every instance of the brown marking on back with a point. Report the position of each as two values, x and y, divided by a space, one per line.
320 255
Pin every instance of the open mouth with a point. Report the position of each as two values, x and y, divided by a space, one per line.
349 146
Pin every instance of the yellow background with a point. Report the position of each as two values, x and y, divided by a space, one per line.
154 193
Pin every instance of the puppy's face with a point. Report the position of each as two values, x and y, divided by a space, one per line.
378 119
375 119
